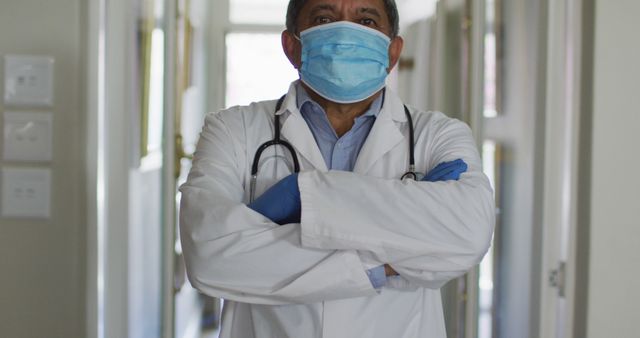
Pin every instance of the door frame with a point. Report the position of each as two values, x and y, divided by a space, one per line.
95 64
168 179
108 163
564 62
107 167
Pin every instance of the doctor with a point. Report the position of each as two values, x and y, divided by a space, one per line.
344 248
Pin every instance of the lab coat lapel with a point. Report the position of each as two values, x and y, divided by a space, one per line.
385 133
297 132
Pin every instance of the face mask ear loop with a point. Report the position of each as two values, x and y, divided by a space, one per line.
299 40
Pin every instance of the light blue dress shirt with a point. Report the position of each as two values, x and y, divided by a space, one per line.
341 153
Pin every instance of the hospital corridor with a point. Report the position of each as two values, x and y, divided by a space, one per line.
319 168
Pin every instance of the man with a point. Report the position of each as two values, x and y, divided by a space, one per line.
344 248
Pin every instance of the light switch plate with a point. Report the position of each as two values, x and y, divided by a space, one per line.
28 136
28 80
26 192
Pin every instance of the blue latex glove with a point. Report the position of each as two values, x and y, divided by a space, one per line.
446 171
281 202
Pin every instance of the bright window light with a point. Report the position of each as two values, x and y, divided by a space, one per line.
156 91
486 282
257 68
258 11
490 63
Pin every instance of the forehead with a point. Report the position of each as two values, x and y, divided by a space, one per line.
344 5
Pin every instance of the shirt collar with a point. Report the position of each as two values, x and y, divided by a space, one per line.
303 99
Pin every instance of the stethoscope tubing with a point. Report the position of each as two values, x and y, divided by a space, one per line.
296 164
412 160
276 141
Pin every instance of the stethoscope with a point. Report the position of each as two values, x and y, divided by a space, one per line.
411 174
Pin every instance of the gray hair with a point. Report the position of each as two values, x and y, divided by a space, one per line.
295 6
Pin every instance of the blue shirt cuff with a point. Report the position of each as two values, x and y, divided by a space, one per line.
377 277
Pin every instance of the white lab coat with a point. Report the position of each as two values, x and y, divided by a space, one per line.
309 280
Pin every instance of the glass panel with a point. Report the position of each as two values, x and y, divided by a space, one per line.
257 68
156 92
490 164
491 66
149 74
258 11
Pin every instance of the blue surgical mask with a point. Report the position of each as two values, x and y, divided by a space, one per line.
344 62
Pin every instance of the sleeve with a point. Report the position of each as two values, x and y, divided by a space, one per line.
235 253
377 276
429 232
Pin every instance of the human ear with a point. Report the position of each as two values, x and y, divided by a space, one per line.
291 47
395 49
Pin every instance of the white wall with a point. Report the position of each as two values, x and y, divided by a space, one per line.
42 278
614 296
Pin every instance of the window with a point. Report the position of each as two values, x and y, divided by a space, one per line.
491 157
492 42
256 67
271 12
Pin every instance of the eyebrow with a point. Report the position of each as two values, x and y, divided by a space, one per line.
322 7
332 8
371 11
